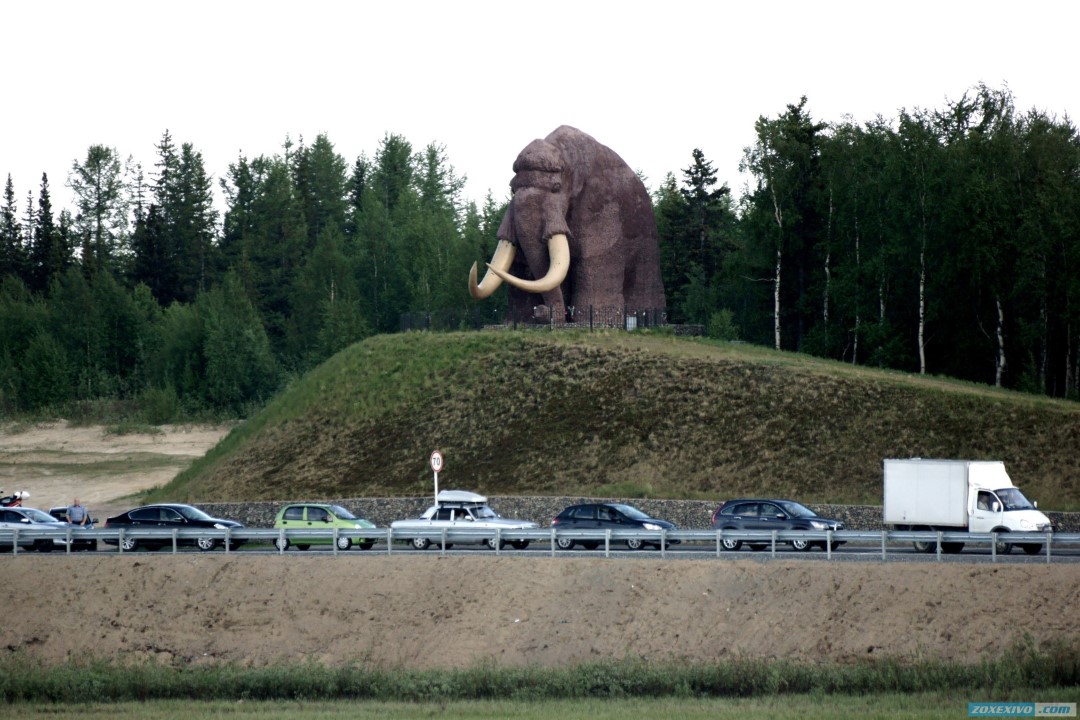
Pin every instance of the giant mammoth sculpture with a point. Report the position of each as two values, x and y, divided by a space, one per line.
579 232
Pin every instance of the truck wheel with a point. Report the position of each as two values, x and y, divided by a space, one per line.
1002 547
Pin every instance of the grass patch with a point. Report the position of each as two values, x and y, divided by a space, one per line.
628 414
787 707
1023 670
133 428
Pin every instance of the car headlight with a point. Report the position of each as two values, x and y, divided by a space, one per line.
818 525
651 526
219 526
358 526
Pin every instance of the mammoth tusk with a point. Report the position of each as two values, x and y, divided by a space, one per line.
559 254
503 257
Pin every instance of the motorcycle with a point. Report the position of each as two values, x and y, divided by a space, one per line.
13 500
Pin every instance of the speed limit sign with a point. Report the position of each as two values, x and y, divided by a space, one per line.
436 461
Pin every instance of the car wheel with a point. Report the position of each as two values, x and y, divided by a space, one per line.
344 543
564 543
206 544
129 544
729 544
281 543
801 545
1031 548
366 545
421 543
635 543
493 544
302 547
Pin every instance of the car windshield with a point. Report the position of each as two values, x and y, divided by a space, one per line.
631 512
1013 499
342 512
38 516
794 509
483 512
192 513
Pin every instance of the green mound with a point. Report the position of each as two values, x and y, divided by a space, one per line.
621 414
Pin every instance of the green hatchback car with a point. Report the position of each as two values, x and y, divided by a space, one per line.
318 516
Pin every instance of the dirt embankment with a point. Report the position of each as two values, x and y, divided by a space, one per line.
428 611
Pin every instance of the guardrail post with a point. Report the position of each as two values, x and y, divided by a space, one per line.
228 542
389 540
281 541
333 540
120 541
718 534
939 534
68 540
884 534
773 551
1048 539
552 542
607 543
828 544
14 542
444 541
498 540
174 532
663 543
993 547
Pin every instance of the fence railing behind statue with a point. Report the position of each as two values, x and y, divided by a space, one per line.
588 318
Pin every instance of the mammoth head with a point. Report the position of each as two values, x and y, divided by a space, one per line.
537 215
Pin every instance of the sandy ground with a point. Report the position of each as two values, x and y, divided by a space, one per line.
428 611
55 462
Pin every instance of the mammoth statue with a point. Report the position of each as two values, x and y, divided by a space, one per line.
579 232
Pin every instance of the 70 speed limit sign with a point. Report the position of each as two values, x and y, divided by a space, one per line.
436 461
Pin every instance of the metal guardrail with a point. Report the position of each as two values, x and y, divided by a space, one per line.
443 538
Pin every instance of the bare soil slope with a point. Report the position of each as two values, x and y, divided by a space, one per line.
427 611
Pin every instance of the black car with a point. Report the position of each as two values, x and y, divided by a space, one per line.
768 514
168 516
607 516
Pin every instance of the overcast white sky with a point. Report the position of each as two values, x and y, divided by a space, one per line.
651 80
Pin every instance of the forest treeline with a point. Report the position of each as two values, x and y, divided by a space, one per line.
941 241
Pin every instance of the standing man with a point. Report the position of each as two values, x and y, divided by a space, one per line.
76 514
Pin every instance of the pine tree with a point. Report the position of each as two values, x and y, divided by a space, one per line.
12 255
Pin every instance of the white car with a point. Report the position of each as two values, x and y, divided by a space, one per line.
460 509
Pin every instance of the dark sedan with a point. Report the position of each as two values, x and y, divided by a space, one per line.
607 516
767 515
169 516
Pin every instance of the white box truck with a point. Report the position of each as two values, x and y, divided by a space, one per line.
958 496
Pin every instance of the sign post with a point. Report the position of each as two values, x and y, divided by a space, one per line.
436 465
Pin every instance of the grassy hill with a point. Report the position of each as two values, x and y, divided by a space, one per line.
621 414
